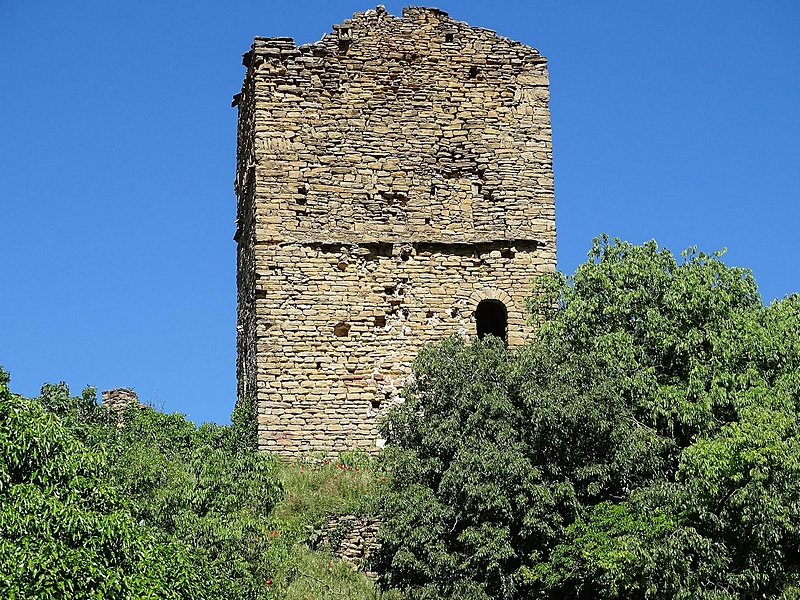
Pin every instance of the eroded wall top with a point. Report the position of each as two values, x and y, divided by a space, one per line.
396 128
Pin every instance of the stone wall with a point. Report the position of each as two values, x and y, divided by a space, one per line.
390 177
352 539
120 398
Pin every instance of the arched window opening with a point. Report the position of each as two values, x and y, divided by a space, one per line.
491 318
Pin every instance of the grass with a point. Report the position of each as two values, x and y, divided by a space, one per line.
316 575
314 488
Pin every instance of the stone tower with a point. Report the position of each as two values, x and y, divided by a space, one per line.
395 186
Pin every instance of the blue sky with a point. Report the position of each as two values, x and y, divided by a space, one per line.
678 121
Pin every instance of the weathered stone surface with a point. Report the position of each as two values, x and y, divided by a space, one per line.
390 178
120 398
352 539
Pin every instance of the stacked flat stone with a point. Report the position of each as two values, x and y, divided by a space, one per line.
390 178
120 398
352 539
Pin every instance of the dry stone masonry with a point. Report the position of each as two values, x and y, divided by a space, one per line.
395 186
120 398
352 539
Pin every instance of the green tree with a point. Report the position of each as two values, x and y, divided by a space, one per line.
65 531
201 488
643 445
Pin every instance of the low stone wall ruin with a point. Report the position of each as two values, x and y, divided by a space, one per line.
352 539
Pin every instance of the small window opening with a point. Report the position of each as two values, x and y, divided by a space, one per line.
491 318
449 37
473 72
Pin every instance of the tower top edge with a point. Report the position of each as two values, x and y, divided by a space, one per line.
433 20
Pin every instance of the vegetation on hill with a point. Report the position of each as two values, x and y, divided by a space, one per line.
644 444
66 531
101 503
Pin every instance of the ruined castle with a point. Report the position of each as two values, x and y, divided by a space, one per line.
395 186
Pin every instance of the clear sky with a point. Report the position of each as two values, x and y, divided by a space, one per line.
673 120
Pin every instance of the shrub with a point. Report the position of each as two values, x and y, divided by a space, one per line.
65 531
645 443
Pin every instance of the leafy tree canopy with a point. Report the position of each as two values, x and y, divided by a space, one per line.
65 531
102 503
643 445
